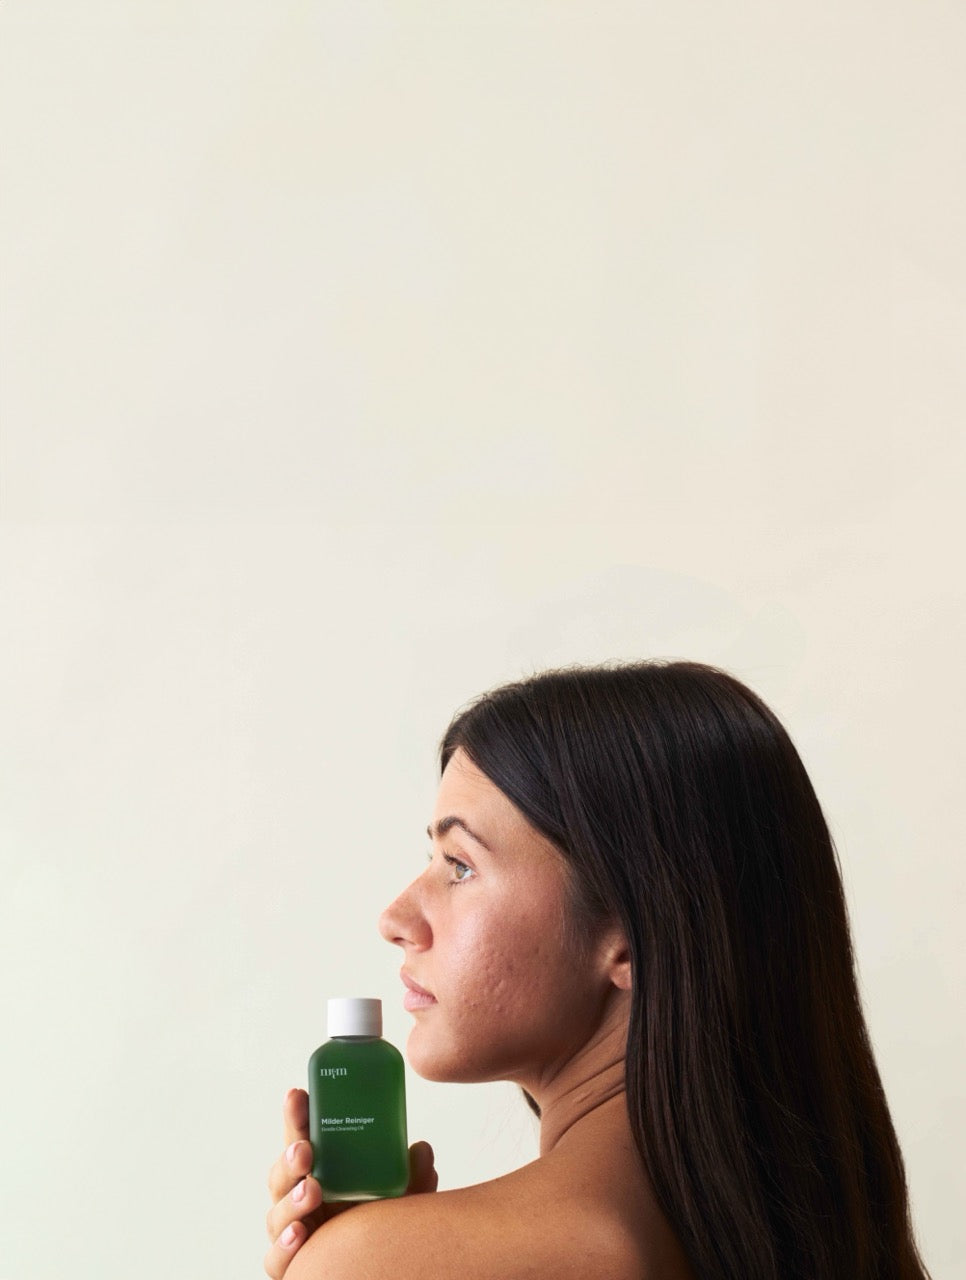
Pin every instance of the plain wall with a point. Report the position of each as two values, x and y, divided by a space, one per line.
357 357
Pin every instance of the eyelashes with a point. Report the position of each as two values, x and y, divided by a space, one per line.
461 872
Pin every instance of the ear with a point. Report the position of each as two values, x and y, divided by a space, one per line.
617 959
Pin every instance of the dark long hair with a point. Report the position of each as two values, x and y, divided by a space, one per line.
686 814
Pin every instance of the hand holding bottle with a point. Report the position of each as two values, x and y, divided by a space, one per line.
297 1208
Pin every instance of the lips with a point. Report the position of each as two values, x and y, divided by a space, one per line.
416 997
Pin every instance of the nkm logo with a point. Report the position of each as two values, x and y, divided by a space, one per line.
333 1071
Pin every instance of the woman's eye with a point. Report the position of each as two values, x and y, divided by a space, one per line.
461 871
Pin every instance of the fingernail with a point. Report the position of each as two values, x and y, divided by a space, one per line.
290 1153
288 1235
298 1191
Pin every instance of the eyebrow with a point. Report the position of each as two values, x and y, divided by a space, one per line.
445 824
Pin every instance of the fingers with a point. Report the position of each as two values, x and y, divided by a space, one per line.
422 1171
291 1166
296 1210
296 1160
295 1115
299 1204
284 1250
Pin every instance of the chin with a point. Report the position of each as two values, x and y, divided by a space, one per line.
445 1066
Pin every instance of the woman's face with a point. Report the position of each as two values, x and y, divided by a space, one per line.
509 994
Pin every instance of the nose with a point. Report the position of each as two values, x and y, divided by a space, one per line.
403 922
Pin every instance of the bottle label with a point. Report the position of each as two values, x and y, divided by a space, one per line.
345 1124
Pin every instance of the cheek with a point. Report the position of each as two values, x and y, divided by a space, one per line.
503 970
509 990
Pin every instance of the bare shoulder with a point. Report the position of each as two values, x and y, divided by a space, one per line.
518 1226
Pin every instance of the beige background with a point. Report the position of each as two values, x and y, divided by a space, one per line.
356 357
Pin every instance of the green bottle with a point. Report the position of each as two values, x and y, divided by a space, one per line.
357 1107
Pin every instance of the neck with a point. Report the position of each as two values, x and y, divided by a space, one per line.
588 1090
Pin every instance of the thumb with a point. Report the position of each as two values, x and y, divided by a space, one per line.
422 1171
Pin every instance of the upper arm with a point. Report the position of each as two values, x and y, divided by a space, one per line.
319 1258
371 1242
460 1235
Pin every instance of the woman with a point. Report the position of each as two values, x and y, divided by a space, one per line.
633 909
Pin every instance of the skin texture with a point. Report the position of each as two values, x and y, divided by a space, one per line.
512 996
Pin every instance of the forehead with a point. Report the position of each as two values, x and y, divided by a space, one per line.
464 789
467 793
462 777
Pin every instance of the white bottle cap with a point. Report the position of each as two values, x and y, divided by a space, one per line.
354 1017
